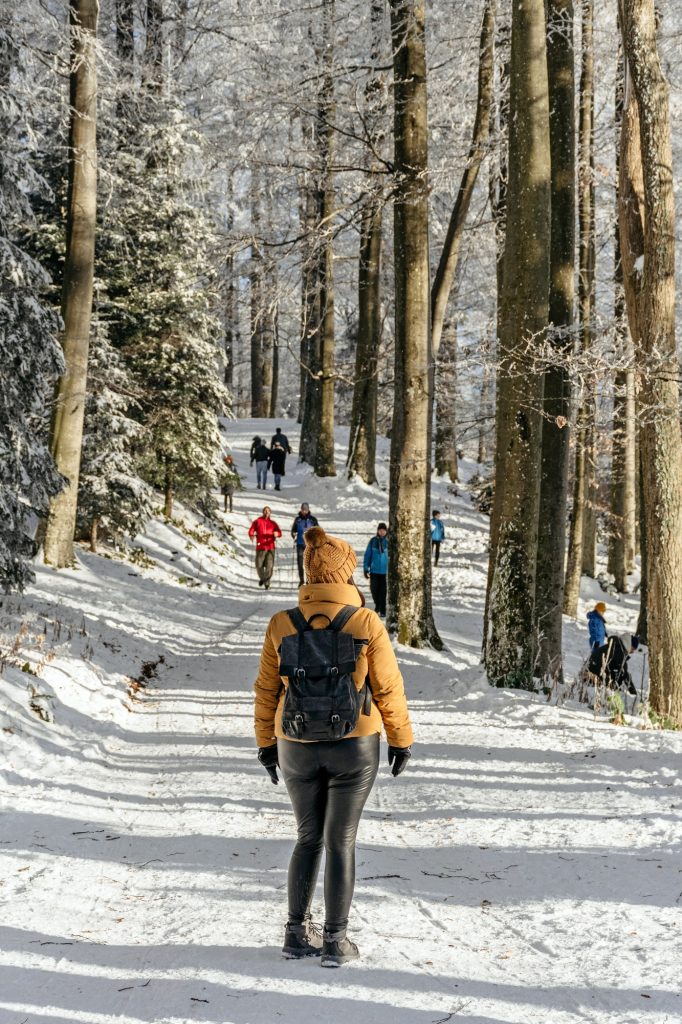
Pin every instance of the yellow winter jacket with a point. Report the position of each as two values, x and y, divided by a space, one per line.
389 706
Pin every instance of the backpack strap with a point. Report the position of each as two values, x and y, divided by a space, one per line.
298 620
342 617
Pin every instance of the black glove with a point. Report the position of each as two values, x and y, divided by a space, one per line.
268 758
366 575
398 757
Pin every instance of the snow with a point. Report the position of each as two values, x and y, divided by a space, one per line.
525 868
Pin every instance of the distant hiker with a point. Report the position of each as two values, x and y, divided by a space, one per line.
327 643
597 625
437 535
376 567
260 454
279 438
609 661
276 461
230 481
303 521
266 531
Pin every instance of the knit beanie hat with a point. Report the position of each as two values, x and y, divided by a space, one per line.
327 559
600 607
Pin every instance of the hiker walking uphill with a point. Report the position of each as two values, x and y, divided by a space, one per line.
317 722
266 531
376 567
279 438
596 625
230 481
437 535
260 454
303 521
276 461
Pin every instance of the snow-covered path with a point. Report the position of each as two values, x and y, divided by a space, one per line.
526 867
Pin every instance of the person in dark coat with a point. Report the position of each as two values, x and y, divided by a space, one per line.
279 438
260 454
230 481
376 568
276 462
610 661
303 521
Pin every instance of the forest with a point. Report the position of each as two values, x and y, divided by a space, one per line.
452 226
371 308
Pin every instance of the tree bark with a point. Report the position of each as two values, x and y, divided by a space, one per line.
661 438
586 280
324 463
446 404
152 63
94 527
410 612
363 423
550 568
509 649
624 475
67 425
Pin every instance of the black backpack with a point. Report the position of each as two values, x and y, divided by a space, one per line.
321 701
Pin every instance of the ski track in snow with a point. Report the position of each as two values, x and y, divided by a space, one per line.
525 868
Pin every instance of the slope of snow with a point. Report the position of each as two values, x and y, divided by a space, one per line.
525 868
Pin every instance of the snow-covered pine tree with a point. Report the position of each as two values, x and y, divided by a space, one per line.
111 495
163 301
30 357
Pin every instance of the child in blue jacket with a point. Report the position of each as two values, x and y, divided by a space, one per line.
596 625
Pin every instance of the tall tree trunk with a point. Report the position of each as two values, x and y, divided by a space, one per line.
261 312
410 611
152 62
274 387
661 438
642 619
523 321
624 474
449 258
125 51
446 404
586 278
497 188
582 537
324 463
550 571
484 415
67 425
363 422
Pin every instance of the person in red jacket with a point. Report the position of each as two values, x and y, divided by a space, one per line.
266 531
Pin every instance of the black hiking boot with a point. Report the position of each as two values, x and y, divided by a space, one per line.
301 940
337 949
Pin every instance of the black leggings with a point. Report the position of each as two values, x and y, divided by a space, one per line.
377 585
328 784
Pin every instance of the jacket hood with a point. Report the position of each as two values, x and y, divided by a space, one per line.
594 614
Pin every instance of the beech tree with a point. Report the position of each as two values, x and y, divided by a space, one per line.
661 437
67 426
409 610
509 650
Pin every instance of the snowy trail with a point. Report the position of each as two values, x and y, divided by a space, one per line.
526 867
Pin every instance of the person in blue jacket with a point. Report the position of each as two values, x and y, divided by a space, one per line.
437 535
596 625
376 568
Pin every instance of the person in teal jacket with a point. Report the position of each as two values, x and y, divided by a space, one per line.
437 535
376 568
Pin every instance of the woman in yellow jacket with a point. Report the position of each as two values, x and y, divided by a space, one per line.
329 781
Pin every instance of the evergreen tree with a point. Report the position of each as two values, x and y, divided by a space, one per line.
30 356
110 494
163 302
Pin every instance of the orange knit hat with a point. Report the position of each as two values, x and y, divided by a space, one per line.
600 607
327 559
